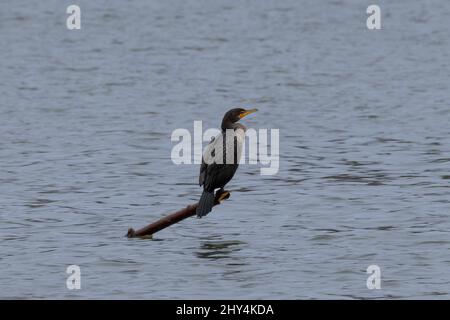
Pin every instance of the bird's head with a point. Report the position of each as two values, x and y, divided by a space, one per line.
234 115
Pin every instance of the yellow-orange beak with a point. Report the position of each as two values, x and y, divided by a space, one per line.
246 113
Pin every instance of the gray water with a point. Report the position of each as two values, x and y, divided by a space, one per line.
85 126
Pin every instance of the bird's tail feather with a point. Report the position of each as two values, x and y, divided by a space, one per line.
205 204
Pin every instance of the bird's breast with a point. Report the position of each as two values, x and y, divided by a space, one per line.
226 148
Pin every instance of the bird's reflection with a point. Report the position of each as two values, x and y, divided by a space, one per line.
215 250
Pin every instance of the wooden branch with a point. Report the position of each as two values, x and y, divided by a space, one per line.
189 211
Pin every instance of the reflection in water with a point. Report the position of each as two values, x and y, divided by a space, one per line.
215 250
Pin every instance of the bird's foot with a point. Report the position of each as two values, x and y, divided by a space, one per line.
222 195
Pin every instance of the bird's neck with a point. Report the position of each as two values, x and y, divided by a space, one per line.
226 124
233 126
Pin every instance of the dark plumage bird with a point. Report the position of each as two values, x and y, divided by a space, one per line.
221 158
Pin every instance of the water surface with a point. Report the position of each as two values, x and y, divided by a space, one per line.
85 124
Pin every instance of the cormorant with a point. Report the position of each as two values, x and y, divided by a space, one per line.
221 158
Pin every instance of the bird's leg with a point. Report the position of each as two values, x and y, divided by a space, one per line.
221 195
